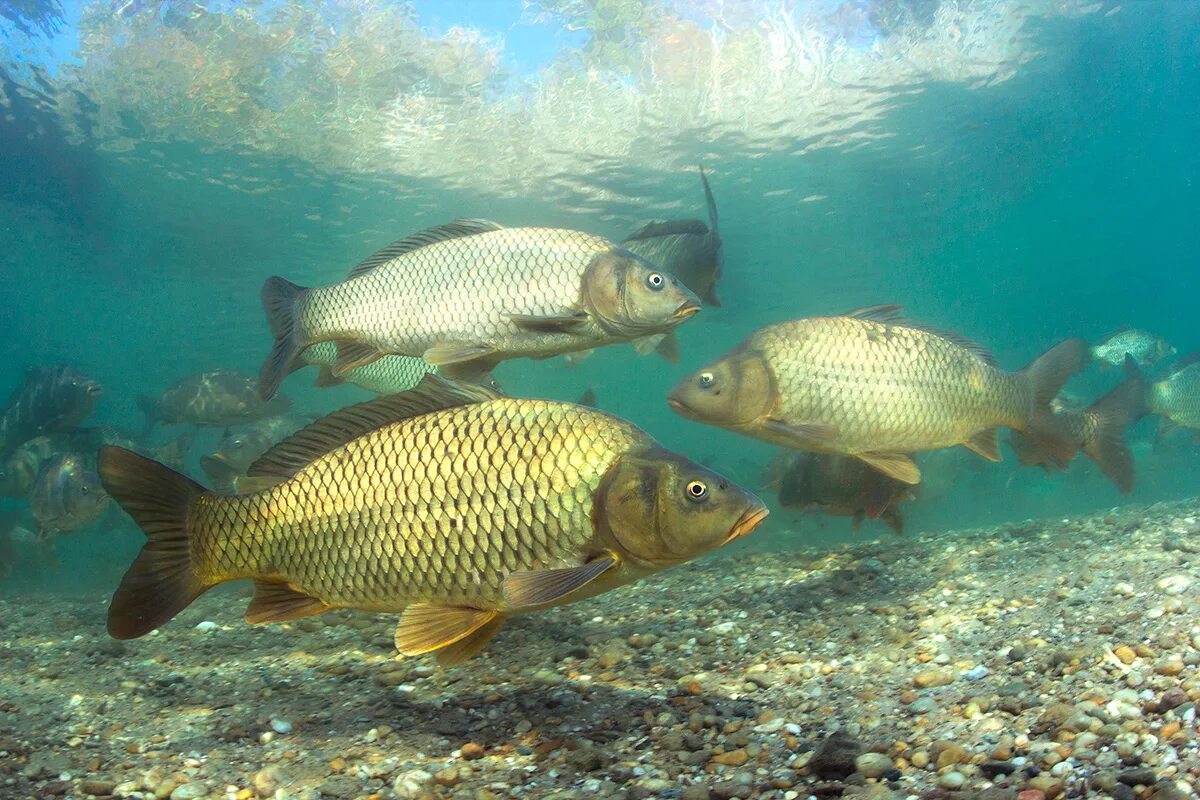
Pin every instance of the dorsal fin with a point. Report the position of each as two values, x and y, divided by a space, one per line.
669 227
331 432
885 313
891 315
455 229
1183 362
708 199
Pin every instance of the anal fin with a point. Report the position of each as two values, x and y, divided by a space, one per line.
985 443
894 465
470 645
424 628
353 354
275 601
326 377
541 587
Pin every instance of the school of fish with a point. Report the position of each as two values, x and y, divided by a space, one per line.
455 505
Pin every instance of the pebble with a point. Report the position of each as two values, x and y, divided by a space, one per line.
835 756
733 758
1174 584
873 765
189 791
281 726
932 678
924 705
696 791
472 751
97 786
412 784
952 780
1135 777
976 673
206 625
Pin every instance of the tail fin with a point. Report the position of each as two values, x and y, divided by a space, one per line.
279 301
1112 414
1047 375
149 406
162 581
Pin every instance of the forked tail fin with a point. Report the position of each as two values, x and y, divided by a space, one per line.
279 298
1047 375
1111 415
162 580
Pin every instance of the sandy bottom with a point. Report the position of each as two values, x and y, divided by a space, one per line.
1051 658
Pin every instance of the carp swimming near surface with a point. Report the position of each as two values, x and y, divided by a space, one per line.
1176 398
66 496
1098 430
219 397
873 386
838 485
448 504
388 375
1144 347
687 248
469 294
49 400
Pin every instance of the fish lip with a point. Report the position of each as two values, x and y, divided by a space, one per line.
747 522
688 309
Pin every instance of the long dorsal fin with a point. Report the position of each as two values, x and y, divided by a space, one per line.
893 315
455 229
330 432
709 201
668 227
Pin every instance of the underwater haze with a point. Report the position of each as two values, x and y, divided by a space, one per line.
1015 172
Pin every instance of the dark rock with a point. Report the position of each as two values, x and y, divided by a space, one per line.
834 758
340 786
1122 792
587 759
1172 698
993 768
1134 777
727 790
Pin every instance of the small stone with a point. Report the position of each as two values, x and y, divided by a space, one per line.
268 780
951 755
931 678
587 759
1174 584
1137 777
446 777
1171 666
281 726
472 751
412 784
97 786
731 790
925 705
1124 654
992 769
696 791
1031 794
834 757
873 765
952 780
206 625
1047 784
189 791
733 758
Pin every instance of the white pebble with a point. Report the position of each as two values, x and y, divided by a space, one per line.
281 725
1174 584
207 625
952 780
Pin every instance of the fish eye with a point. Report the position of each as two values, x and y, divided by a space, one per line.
83 490
655 281
706 379
697 491
237 442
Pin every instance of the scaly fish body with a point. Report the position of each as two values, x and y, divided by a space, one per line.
1144 347
688 249
66 496
219 397
867 386
471 294
1177 397
450 504
50 399
388 375
840 486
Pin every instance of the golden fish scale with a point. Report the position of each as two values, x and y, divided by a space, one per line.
438 508
887 388
1178 397
459 290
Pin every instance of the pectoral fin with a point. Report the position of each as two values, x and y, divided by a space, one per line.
325 377
985 444
894 465
574 358
457 352
425 628
668 348
802 436
541 587
563 323
275 601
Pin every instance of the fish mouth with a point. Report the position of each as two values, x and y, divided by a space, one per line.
748 522
688 309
